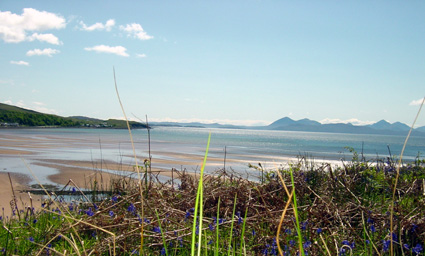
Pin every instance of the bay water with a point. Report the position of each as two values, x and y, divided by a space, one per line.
173 143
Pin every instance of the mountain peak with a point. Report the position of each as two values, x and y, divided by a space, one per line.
282 122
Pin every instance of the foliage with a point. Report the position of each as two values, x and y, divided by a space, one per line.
341 210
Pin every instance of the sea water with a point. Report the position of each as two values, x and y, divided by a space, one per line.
246 146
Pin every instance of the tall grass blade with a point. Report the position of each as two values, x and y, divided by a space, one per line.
300 238
397 177
231 225
199 204
135 161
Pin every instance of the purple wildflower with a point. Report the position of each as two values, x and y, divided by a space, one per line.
131 208
156 230
111 213
90 212
417 249
386 244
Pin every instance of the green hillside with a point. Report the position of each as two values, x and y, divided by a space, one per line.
16 116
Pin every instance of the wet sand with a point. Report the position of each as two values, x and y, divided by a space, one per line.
20 183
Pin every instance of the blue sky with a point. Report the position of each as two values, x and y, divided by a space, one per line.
239 62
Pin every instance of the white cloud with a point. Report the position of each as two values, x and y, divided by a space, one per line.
14 27
141 55
49 38
353 121
99 26
416 102
118 50
21 62
48 52
135 30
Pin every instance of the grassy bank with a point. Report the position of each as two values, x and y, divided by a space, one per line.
340 211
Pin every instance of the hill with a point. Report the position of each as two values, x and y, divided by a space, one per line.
12 116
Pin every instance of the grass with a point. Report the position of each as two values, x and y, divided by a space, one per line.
341 210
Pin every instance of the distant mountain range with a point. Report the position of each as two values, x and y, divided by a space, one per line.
15 116
307 125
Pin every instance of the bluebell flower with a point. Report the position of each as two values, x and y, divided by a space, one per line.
111 213
156 230
304 225
34 221
187 215
253 232
90 212
131 208
147 221
210 242
31 239
372 228
306 245
395 238
406 246
386 244
163 251
291 242
211 227
417 249
319 230
114 199
73 190
288 231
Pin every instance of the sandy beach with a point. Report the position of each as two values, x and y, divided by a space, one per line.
23 200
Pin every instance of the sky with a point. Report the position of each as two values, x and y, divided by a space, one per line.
245 62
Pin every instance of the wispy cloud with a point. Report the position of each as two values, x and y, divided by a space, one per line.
36 106
98 26
14 27
141 55
118 50
353 121
21 62
135 30
7 82
416 102
47 51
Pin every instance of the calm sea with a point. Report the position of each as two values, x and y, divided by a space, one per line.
170 143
